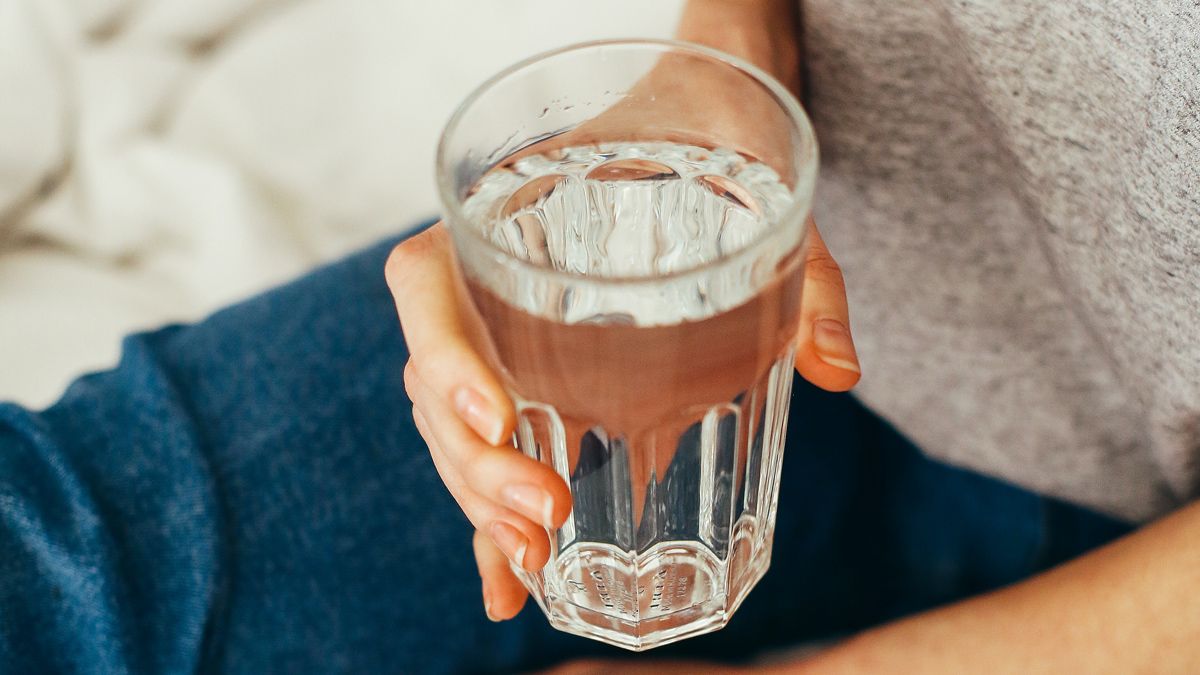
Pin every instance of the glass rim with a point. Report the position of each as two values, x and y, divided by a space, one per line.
457 221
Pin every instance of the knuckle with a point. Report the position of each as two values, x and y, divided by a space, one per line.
397 262
460 491
455 485
409 253
822 265
472 505
475 466
485 466
445 361
479 543
410 379
422 426
464 505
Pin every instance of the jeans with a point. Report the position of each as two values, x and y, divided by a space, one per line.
249 495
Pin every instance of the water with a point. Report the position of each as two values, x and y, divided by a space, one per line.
626 210
662 404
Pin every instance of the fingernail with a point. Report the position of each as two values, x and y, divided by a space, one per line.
834 346
511 541
530 501
487 605
474 409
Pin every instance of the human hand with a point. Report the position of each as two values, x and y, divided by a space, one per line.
463 412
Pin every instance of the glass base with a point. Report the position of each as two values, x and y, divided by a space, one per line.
679 592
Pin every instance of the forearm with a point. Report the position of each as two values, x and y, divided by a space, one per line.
763 32
1133 606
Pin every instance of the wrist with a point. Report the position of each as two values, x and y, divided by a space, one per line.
763 32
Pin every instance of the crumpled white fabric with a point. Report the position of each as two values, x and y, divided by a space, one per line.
160 158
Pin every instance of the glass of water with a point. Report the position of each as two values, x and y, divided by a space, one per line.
629 219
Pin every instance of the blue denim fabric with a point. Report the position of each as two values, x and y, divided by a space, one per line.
249 495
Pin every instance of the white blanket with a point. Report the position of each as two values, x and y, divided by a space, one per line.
159 158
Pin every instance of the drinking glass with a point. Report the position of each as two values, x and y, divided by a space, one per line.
629 222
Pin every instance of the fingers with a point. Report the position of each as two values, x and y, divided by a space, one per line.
420 273
503 594
510 497
825 353
463 413
500 474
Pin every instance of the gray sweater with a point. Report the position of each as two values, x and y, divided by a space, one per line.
1013 189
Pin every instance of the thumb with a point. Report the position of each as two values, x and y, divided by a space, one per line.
825 354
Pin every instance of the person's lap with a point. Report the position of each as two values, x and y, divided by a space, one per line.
868 529
336 548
